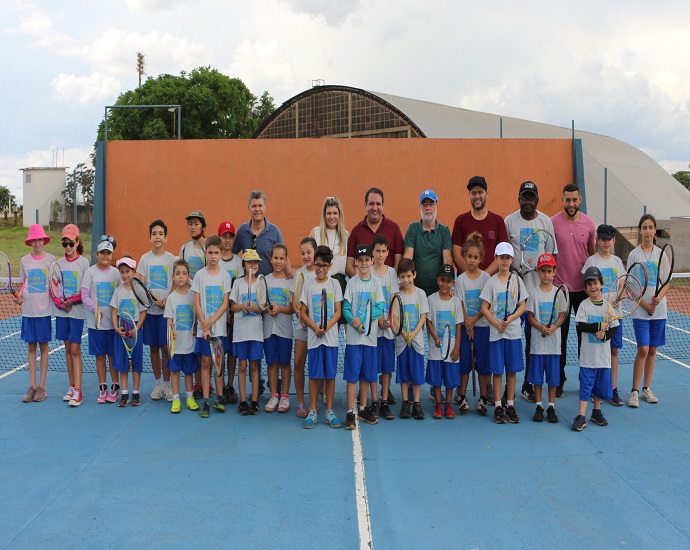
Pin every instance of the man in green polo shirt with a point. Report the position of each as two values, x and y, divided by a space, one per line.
428 243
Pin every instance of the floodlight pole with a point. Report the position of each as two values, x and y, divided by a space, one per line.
178 108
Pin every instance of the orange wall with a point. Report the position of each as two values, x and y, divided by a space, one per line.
168 179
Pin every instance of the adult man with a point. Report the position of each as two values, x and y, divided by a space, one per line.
428 244
491 227
374 222
576 238
520 225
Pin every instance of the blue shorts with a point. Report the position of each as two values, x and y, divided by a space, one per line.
187 363
202 346
69 329
278 350
101 342
386 355
323 362
595 382
410 367
650 333
544 365
155 331
441 373
481 351
617 340
250 350
361 364
120 359
36 330
506 354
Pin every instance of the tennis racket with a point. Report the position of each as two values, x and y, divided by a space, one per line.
624 297
640 271
538 243
474 380
446 338
142 293
665 268
171 341
512 295
395 315
261 293
324 310
407 330
56 287
97 314
249 286
297 292
216 355
561 303
126 322
6 275
368 313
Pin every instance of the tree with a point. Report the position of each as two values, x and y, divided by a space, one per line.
8 202
85 179
683 177
214 106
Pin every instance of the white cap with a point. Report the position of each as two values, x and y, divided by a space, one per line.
503 249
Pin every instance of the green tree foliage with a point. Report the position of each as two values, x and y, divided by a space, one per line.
8 202
683 177
85 179
214 106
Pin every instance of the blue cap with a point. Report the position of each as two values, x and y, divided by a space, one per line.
428 194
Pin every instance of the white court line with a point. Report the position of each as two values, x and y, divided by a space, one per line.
10 335
678 328
363 518
662 355
20 367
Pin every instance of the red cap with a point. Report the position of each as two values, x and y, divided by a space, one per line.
546 259
226 227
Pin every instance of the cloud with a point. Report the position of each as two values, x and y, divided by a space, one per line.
151 6
333 11
96 87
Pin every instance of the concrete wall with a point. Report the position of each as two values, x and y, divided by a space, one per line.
44 186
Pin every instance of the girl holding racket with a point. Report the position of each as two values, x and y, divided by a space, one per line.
69 325
649 320
36 308
193 250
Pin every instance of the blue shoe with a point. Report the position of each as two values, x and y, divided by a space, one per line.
310 421
332 419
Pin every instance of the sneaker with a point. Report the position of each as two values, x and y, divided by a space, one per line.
634 400
560 391
405 410
448 412
512 415
551 415
598 418
647 395
538 414
374 408
124 400
457 397
102 397
310 421
528 393
332 419
350 422
302 411
230 395
191 404
254 407
391 398
438 413
579 424
136 399
464 405
272 404
197 393
77 398
490 396
29 396
386 412
113 396
243 408
175 407
417 412
284 405
616 401
481 406
157 392
499 415
367 416
40 394
205 410
68 394
219 404
167 393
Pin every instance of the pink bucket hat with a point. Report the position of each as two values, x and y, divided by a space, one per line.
36 232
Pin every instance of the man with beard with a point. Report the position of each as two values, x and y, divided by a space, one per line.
428 244
576 238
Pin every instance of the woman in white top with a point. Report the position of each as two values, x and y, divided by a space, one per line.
331 232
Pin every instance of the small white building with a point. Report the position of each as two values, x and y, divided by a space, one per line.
41 187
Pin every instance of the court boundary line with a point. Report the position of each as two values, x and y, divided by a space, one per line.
662 355
363 516
21 367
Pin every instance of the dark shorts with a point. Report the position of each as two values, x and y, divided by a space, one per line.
361 364
410 367
68 329
36 330
278 350
155 331
323 362
251 350
506 354
187 363
441 373
595 382
120 358
101 342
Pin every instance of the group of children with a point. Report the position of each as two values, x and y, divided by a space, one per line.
209 292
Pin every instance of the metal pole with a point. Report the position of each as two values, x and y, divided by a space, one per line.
500 127
74 180
572 131
105 138
179 122
644 209
37 215
606 191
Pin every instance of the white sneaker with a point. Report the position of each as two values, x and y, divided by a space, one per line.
76 399
284 405
648 396
68 394
634 400
157 392
167 393
272 404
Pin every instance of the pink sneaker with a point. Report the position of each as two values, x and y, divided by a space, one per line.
113 396
102 397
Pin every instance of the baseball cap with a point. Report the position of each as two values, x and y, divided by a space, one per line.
546 259
364 250
477 181
251 255
593 273
104 245
226 227
196 214
428 194
504 248
605 231
126 261
446 271
70 231
528 187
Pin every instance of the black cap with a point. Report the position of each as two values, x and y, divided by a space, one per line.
593 273
364 250
605 231
528 187
446 271
477 181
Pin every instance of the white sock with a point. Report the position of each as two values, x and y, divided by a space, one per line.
159 381
511 403
189 394
176 396
166 383
552 405
539 404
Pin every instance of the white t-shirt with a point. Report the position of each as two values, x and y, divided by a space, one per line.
101 285
611 268
540 304
651 262
469 291
211 289
300 329
158 271
594 353
232 266
357 293
495 293
280 294
125 302
311 297
248 327
180 308
441 314
414 306
72 276
193 252
519 229
389 286
333 242
35 271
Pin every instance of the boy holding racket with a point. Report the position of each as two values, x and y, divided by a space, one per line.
445 310
363 304
409 345
503 302
321 302
545 352
155 270
124 302
595 351
248 334
386 341
210 287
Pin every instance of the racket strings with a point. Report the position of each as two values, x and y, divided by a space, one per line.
628 295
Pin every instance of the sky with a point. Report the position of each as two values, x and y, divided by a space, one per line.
619 68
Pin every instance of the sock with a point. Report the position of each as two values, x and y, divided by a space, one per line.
511 403
552 405
634 389
189 394
274 395
159 381
117 387
135 392
125 392
361 408
176 397
166 383
350 411
540 404
645 388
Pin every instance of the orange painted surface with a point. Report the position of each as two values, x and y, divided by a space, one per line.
168 179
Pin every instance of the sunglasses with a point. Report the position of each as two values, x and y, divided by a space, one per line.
65 244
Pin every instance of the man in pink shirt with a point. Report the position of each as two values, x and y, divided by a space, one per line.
576 237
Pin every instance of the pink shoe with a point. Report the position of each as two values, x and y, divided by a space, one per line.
102 397
113 396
